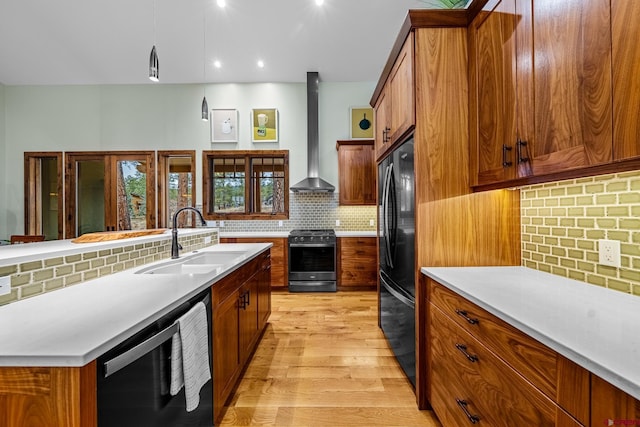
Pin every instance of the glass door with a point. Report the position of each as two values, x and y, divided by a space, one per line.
110 192
43 194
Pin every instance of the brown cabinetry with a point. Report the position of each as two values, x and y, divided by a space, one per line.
611 403
357 172
241 304
357 263
279 257
478 363
395 108
626 85
540 82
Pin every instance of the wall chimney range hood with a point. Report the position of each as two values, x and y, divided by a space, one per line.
312 183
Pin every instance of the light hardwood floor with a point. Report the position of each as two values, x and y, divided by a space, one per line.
323 361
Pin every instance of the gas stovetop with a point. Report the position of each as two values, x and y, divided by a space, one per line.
312 236
324 232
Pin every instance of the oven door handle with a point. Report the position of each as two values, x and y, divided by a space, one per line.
311 245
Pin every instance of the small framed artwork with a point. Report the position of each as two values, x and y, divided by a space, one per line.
264 125
361 123
224 125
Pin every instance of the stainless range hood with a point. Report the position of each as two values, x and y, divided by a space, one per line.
312 183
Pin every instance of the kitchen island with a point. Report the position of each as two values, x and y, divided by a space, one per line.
51 342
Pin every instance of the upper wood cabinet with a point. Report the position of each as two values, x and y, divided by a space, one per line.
540 82
395 107
626 84
357 172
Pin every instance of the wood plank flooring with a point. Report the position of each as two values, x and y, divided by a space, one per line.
323 361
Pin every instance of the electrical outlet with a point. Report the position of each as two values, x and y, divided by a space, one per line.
5 285
337 223
207 240
221 223
371 222
279 223
609 252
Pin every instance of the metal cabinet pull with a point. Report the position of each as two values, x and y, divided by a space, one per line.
464 314
473 419
520 147
463 349
505 162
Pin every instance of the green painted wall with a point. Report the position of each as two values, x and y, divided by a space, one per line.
162 117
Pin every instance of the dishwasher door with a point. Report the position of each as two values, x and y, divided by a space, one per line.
134 380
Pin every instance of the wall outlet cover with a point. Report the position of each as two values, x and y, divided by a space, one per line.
5 285
609 252
371 223
337 223
280 223
207 240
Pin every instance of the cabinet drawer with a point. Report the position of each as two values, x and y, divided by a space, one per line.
532 359
498 392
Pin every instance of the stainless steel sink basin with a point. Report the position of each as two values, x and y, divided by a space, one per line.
181 268
213 257
198 263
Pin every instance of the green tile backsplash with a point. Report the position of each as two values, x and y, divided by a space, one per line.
563 221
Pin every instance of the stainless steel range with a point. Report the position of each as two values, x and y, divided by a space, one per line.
312 261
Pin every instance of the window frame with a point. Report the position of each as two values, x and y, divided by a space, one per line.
248 155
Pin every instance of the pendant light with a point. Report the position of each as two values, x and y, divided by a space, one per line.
154 64
205 107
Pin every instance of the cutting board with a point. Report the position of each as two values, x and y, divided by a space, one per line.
105 236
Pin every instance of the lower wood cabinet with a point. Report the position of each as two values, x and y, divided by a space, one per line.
241 304
279 257
481 370
357 263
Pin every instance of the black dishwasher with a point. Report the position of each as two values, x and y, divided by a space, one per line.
134 379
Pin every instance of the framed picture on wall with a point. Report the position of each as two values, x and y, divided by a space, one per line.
264 125
361 123
224 125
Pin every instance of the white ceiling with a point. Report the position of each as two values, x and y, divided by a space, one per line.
109 41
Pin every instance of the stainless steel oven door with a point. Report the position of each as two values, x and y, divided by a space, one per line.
313 262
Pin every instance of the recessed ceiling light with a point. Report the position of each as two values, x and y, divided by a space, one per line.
260 63
217 64
319 2
221 3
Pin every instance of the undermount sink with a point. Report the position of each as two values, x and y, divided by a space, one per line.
212 257
181 268
198 263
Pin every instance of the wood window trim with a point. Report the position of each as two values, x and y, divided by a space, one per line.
70 182
32 214
207 210
163 162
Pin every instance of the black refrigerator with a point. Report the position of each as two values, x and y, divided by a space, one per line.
396 195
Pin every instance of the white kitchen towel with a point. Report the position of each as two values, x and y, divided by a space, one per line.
190 355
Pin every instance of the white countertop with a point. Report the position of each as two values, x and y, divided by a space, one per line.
75 325
14 254
285 234
595 327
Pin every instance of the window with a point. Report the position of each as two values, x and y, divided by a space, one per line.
43 194
246 184
176 186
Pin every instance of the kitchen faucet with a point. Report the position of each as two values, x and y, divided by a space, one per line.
175 246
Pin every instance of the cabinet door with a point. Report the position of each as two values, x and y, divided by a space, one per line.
401 86
357 173
565 70
493 89
248 316
357 262
626 84
382 122
264 294
226 360
611 403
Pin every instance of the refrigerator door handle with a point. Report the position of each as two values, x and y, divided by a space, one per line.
387 229
406 301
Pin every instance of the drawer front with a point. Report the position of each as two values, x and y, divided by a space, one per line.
498 392
532 359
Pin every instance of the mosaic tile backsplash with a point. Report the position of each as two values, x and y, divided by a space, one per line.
312 211
563 221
